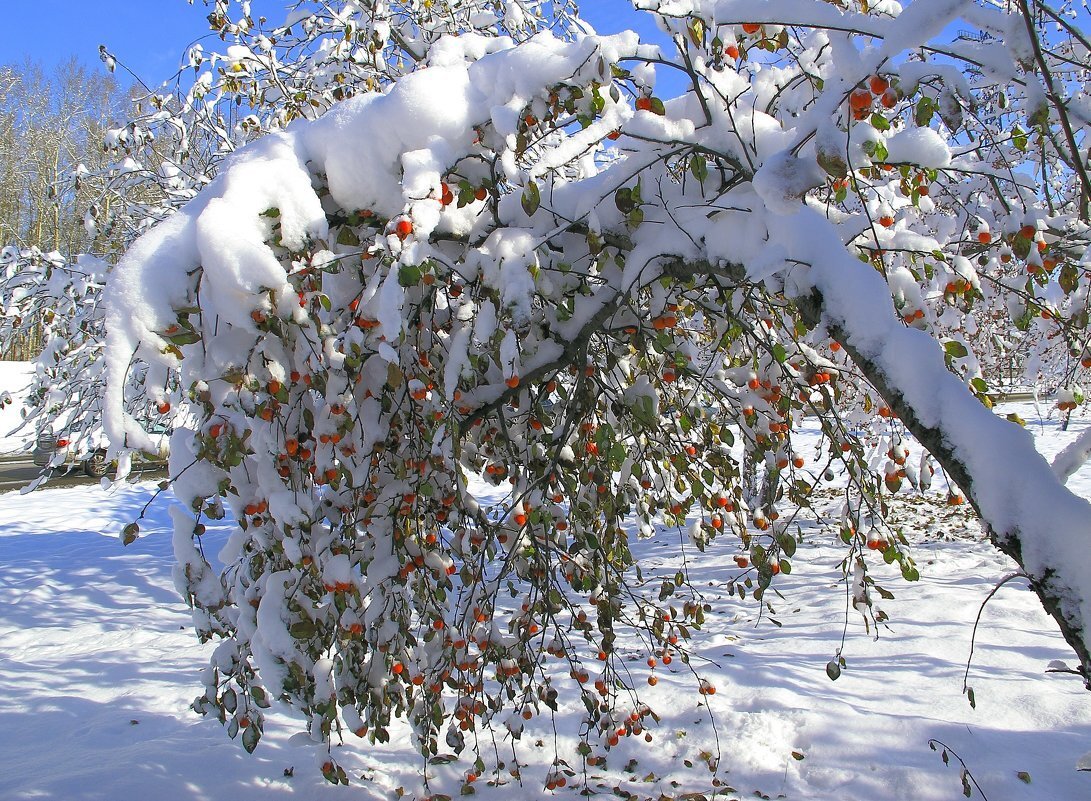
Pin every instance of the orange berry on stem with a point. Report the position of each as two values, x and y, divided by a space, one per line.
860 100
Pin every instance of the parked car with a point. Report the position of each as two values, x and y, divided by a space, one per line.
65 451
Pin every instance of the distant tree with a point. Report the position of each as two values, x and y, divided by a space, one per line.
518 262
49 125
51 131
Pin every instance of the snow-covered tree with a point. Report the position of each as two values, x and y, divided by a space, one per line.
518 262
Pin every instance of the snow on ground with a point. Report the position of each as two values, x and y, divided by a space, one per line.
98 666
14 378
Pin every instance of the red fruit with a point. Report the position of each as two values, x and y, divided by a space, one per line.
481 193
860 99
886 221
889 99
878 84
613 135
163 407
731 51
751 27
984 237
404 228
643 104
742 560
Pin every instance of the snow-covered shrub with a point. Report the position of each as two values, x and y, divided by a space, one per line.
519 263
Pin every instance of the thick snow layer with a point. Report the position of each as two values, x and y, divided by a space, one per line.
921 146
98 650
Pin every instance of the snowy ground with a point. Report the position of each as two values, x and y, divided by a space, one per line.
98 667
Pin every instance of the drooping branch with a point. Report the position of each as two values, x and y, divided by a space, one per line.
934 438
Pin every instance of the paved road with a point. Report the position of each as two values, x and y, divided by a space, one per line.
17 472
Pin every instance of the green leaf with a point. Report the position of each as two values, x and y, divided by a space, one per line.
184 338
302 629
1019 139
833 670
1069 278
879 122
346 236
697 32
409 275
779 353
532 199
623 199
787 544
955 349
698 165
250 736
922 115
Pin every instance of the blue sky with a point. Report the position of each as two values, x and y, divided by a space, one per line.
150 36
